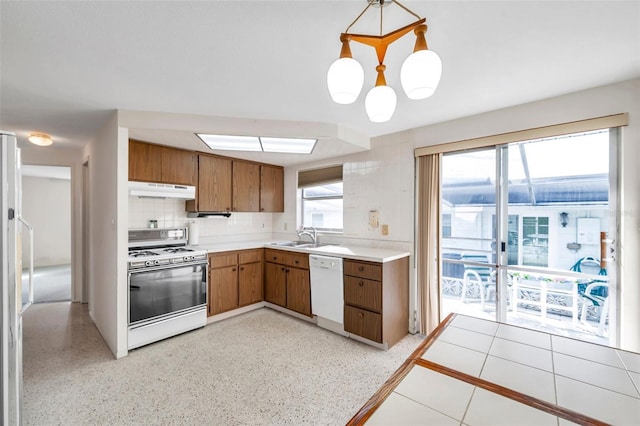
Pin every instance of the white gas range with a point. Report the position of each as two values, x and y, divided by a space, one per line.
168 283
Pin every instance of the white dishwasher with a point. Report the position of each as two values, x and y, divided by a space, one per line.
327 294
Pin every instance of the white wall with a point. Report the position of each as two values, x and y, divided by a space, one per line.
596 102
102 155
381 179
57 156
47 204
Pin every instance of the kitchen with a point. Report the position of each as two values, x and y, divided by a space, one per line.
378 176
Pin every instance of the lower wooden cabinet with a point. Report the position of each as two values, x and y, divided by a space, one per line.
275 284
287 281
250 288
299 291
376 298
223 289
235 280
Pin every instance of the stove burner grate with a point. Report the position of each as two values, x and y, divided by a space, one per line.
142 253
177 250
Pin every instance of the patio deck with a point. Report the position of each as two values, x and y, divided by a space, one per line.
559 322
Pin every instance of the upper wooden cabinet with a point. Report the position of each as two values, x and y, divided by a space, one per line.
145 162
155 163
271 189
214 185
246 187
179 166
222 184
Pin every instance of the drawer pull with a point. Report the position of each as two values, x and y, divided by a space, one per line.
275 257
361 268
234 269
296 262
242 268
361 314
361 283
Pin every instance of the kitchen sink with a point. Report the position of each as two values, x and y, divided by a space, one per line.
299 244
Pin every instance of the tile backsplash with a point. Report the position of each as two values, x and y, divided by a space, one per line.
171 212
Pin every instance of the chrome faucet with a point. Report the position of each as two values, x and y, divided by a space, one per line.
311 232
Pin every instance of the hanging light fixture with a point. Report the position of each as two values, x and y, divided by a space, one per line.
420 72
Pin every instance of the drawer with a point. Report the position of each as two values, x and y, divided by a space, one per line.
250 256
288 258
223 259
363 323
372 271
363 293
299 260
277 256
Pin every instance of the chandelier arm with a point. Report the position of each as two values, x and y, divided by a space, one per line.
359 16
380 43
406 9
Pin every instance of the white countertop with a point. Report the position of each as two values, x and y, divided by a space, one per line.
475 371
352 252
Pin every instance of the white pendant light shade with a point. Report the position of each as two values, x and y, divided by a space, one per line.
380 104
344 80
420 74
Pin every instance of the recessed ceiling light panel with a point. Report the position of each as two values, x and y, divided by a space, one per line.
288 145
259 144
231 143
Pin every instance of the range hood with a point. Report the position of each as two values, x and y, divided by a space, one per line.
207 214
161 190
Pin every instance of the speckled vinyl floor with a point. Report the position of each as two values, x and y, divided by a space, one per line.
260 368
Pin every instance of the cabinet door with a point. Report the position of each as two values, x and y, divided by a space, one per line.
275 285
214 184
179 166
145 162
299 291
271 189
246 187
250 283
223 289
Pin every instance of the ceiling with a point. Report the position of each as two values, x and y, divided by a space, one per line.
65 66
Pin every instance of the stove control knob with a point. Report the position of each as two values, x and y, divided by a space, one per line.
157 262
148 263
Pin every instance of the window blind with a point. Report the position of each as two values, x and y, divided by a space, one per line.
319 176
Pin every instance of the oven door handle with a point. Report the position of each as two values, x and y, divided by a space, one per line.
171 266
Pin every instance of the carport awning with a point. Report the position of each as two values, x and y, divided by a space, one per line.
587 189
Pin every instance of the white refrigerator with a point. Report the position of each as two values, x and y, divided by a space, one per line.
13 302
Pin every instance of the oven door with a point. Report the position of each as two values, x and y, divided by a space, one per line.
156 293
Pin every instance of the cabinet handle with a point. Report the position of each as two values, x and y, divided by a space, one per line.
360 283
275 257
361 314
296 262
242 268
234 269
282 269
361 268
288 270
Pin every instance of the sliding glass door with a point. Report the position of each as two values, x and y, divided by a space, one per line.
524 236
